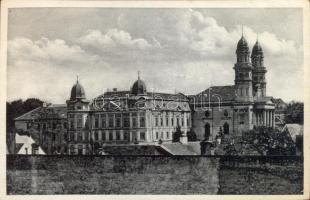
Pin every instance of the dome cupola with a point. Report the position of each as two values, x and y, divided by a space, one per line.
77 91
257 56
139 87
242 51
242 46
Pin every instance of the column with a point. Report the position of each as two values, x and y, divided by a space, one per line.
264 118
270 121
267 118
273 119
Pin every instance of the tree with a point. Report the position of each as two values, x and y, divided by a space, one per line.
267 141
294 113
177 134
191 135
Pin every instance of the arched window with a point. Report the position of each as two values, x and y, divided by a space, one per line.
207 113
226 128
207 131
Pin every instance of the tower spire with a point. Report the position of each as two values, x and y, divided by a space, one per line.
138 74
242 29
77 78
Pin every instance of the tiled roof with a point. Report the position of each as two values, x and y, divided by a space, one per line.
182 149
294 130
226 93
263 99
52 111
166 96
277 101
132 150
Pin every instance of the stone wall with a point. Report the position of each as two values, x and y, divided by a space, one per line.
154 175
111 175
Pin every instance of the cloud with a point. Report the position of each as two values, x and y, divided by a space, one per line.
183 50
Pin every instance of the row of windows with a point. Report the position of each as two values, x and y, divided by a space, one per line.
50 125
163 135
161 121
99 136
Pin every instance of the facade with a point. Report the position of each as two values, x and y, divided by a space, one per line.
236 108
137 116
124 117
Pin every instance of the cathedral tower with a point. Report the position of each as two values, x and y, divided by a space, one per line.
243 72
259 71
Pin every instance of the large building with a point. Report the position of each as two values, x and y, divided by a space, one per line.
137 116
235 108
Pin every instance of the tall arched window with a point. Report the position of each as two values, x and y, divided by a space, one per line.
207 131
226 128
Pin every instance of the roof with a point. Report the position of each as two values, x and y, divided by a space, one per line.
278 101
167 96
182 149
294 130
77 91
22 139
263 100
226 93
51 111
129 149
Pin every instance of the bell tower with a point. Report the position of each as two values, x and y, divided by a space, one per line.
259 71
243 72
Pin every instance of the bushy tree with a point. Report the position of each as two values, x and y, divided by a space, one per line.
268 141
294 113
191 135
177 134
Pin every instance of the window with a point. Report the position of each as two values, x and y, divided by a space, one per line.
103 136
207 131
182 121
110 135
178 121
79 121
86 136
207 113
134 122
111 119
103 121
142 121
71 124
225 113
96 118
118 135
96 135
172 121
226 128
118 122
167 121
142 136
126 136
80 149
126 121
162 135
156 136
167 135
65 125
156 121
161 121
71 136
72 150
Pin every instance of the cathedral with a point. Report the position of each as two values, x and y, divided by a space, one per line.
137 116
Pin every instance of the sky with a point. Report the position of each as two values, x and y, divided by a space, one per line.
175 49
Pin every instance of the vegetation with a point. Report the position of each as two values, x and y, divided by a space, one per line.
19 107
268 141
294 113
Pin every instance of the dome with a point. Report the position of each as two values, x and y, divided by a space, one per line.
257 49
242 46
77 91
138 87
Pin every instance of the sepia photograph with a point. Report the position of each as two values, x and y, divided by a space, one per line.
135 99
